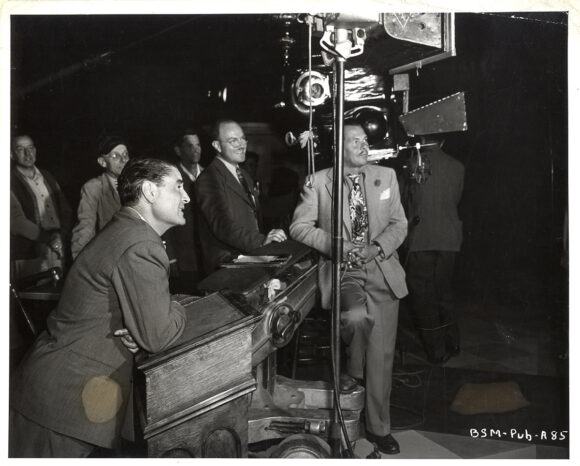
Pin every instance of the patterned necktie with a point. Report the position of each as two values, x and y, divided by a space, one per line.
245 185
358 211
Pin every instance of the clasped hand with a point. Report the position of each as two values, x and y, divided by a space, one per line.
359 254
127 340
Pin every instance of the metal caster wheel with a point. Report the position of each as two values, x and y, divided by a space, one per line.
302 446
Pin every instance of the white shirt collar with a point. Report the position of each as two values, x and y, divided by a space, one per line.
36 172
192 176
230 166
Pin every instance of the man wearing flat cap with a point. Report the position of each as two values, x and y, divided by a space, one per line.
99 196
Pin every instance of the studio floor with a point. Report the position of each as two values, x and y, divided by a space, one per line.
497 346
519 337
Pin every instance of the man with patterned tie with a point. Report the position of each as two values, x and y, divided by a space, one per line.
374 226
230 219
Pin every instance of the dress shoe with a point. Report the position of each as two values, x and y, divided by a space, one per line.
387 444
348 384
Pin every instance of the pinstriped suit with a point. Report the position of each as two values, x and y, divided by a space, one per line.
76 379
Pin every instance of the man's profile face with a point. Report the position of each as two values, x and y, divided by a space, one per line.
189 150
232 143
356 147
170 201
115 161
23 152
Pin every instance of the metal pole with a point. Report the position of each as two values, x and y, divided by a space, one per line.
337 195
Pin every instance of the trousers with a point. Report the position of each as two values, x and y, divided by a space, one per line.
369 315
430 282
27 439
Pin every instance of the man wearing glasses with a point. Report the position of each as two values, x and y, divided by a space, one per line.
230 216
99 196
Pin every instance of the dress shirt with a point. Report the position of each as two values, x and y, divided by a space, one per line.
46 208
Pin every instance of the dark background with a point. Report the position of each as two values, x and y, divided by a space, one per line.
163 72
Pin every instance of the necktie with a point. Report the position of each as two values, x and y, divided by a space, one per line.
358 211
245 185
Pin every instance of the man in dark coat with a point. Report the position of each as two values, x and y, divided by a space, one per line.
435 236
71 391
40 216
183 246
230 217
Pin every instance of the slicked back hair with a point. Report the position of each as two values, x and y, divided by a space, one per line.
137 171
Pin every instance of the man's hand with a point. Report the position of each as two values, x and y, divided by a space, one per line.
362 254
127 340
55 243
347 248
275 235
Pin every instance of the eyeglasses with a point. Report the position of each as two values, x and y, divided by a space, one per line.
118 155
237 142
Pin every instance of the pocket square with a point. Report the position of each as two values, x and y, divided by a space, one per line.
385 194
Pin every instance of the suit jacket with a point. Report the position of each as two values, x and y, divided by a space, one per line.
312 224
76 379
434 204
183 240
99 202
228 223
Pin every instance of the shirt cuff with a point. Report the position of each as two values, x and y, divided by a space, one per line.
381 252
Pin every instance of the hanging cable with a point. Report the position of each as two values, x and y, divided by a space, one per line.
345 437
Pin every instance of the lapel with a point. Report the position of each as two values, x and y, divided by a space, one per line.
109 190
346 224
371 197
231 182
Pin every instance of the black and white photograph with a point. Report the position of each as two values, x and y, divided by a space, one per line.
313 230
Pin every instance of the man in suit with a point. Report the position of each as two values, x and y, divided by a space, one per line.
374 227
182 241
435 237
40 216
99 196
72 391
230 217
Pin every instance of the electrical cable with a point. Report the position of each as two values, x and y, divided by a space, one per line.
403 379
421 414
336 392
